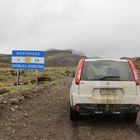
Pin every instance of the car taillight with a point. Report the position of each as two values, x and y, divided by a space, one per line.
79 71
136 75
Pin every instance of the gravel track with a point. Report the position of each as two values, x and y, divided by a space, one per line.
45 116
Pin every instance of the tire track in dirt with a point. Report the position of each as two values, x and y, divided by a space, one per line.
106 128
47 118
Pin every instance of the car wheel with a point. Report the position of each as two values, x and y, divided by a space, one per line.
131 117
74 115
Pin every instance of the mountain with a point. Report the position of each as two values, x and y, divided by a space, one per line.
63 58
137 63
54 58
5 60
60 58
77 52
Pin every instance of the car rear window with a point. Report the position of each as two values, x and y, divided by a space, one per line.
107 70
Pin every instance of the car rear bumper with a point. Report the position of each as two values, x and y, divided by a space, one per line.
75 98
107 108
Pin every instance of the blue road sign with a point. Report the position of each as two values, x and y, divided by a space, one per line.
30 60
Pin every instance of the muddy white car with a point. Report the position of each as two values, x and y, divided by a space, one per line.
105 86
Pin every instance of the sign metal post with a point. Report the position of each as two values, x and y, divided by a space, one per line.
37 77
17 77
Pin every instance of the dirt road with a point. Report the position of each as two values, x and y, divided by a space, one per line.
44 115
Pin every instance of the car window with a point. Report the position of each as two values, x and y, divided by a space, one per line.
107 70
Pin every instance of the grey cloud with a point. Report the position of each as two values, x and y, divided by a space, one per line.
106 28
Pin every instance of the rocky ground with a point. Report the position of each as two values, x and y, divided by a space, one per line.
43 114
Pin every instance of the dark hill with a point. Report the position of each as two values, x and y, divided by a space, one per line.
54 58
62 58
5 60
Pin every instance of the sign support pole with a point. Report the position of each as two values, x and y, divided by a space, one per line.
37 77
17 77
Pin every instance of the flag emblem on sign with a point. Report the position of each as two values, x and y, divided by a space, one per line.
27 59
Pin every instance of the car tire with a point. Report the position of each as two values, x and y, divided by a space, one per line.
74 115
131 117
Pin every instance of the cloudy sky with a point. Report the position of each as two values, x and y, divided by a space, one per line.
106 28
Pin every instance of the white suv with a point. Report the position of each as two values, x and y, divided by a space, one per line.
103 86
